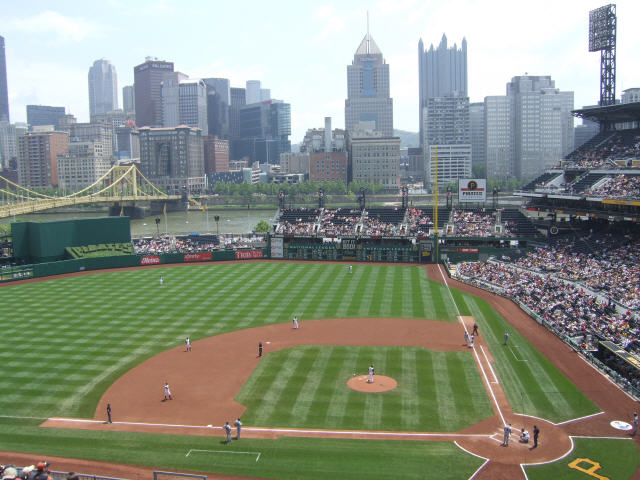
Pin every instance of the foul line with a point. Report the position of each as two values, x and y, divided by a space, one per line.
486 460
489 363
282 430
18 417
225 451
514 355
579 418
475 353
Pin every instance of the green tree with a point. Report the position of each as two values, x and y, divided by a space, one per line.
262 226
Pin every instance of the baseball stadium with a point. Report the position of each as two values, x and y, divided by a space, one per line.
480 322
458 336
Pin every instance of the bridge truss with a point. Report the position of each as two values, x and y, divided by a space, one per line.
119 184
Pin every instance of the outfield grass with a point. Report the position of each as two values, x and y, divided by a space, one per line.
70 338
618 458
285 458
306 386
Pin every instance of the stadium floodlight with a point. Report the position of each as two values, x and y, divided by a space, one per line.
602 38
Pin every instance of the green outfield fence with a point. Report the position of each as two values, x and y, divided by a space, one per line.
61 267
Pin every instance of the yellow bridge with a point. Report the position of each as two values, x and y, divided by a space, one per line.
119 184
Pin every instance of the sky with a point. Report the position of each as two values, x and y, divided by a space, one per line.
300 50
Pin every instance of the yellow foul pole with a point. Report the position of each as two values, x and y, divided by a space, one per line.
436 201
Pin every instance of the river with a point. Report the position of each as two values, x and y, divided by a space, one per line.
231 221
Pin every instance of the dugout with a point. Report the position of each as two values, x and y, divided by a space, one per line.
35 242
618 359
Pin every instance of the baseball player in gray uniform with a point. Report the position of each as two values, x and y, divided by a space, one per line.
227 430
238 425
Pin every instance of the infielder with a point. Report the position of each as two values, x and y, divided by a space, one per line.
227 431
187 343
371 373
238 425
507 434
167 391
295 322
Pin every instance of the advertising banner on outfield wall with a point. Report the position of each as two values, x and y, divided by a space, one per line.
472 190
197 257
277 247
247 254
150 260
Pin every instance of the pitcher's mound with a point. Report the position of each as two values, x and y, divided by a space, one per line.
380 384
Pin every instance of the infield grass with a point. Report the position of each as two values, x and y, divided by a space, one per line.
305 386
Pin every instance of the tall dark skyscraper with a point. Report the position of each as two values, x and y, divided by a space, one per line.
443 73
4 91
103 88
218 104
147 79
44 115
368 96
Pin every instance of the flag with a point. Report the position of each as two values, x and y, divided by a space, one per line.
121 211
164 209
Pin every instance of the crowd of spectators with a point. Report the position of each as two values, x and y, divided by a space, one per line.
170 244
621 186
620 145
564 305
339 222
377 227
418 222
611 266
37 471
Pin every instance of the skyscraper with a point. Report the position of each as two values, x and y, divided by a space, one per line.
38 158
148 78
368 97
264 131
476 117
4 91
103 88
529 129
38 115
128 100
442 72
218 105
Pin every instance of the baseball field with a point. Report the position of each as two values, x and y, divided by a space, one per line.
75 343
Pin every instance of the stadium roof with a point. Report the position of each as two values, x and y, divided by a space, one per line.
619 113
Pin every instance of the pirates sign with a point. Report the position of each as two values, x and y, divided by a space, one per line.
472 190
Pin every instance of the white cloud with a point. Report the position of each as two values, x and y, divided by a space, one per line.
50 23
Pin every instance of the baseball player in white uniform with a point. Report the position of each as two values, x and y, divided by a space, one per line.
187 343
295 322
161 280
238 425
371 372
507 434
466 337
227 431
470 341
350 268
167 392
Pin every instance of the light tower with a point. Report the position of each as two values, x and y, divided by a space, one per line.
602 37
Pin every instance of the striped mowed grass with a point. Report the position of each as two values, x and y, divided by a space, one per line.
306 386
81 333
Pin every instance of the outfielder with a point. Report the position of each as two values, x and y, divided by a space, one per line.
161 280
371 372
506 338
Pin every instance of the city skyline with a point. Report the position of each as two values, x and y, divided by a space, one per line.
60 44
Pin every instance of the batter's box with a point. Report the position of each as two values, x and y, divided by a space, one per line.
226 454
